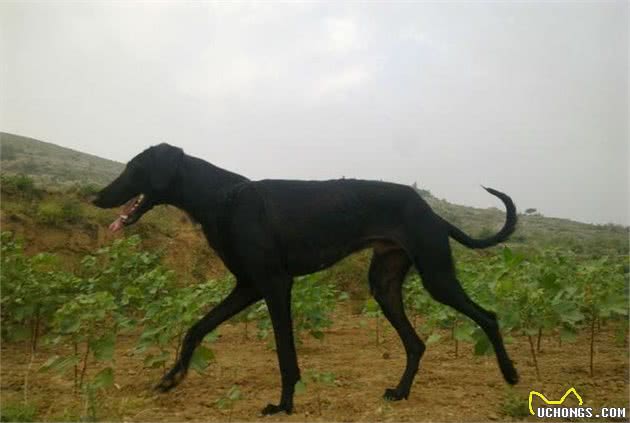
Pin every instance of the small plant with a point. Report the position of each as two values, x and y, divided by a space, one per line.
31 291
255 313
89 323
315 379
373 310
514 405
226 402
312 303
166 321
601 300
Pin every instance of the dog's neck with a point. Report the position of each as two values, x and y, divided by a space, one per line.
199 201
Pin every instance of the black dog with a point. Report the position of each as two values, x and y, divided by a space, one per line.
269 231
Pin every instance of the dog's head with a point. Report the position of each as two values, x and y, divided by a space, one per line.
144 183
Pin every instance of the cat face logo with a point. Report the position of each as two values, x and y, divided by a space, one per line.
551 402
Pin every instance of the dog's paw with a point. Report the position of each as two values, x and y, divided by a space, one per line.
394 395
170 380
508 371
271 409
511 376
165 385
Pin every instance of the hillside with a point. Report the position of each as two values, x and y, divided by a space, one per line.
52 166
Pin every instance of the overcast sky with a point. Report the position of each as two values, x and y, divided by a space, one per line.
527 97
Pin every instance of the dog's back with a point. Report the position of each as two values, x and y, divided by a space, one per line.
337 216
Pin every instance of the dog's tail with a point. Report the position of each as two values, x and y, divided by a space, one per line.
507 229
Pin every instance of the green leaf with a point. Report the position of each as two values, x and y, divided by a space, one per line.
19 333
435 337
103 379
613 304
548 282
530 331
621 334
70 325
371 306
328 378
59 364
153 361
572 316
507 255
568 335
212 336
104 348
234 393
300 387
463 333
201 358
317 334
222 403
482 343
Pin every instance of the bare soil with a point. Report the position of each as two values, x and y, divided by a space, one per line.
447 388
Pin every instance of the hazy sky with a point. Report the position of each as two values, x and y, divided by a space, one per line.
528 97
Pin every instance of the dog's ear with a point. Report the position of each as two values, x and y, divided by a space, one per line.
166 160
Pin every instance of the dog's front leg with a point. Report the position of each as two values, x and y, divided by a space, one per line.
242 296
279 304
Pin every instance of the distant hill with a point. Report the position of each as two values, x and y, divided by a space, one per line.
52 166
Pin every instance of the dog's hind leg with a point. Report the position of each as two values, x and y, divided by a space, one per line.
386 276
439 279
241 296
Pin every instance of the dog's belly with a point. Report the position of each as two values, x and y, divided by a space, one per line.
303 260
311 244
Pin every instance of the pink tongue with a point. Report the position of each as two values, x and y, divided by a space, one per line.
116 224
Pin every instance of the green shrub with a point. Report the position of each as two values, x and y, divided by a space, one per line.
71 209
55 212
18 412
50 213
18 185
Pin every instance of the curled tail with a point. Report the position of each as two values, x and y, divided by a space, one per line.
507 229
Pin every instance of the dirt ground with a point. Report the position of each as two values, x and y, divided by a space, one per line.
466 388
